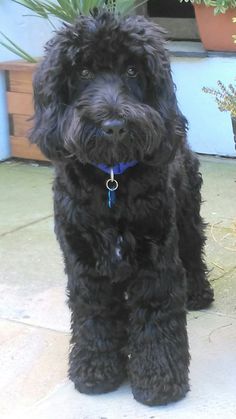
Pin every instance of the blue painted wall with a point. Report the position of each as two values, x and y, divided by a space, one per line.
29 32
4 133
210 130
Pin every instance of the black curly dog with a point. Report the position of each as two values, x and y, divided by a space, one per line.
104 98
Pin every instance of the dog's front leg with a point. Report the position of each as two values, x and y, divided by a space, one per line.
158 343
96 364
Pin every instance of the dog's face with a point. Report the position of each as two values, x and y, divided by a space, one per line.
104 93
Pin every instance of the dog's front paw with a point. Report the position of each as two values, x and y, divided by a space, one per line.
98 387
201 298
164 392
159 375
97 373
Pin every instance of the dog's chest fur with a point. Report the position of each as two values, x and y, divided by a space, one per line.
116 233
118 250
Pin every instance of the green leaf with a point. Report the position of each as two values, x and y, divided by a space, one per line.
220 6
34 5
11 46
68 10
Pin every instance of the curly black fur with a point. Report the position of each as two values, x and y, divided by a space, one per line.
128 309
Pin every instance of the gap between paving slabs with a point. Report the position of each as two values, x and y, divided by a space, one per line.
26 225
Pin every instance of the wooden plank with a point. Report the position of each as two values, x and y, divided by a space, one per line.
20 103
21 147
18 65
20 81
20 125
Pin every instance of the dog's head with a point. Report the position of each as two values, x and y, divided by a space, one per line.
104 93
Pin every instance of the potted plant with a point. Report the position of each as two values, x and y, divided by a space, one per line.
215 23
225 97
234 36
19 73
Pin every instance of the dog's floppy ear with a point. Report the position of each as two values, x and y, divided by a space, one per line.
161 89
50 89
163 92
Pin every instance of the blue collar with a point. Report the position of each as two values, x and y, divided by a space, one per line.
111 183
118 169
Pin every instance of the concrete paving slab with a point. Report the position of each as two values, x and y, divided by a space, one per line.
221 250
225 294
33 363
25 191
33 282
219 190
212 374
31 256
35 319
219 210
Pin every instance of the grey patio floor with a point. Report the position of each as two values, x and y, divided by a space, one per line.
34 319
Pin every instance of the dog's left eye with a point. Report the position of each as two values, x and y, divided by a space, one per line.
85 73
131 71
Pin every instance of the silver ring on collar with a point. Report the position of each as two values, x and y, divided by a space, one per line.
112 184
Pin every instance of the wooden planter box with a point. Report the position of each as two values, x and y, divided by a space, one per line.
20 108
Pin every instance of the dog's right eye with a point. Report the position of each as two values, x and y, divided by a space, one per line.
131 71
85 73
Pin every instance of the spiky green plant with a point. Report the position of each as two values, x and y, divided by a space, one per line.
225 97
11 46
220 6
66 11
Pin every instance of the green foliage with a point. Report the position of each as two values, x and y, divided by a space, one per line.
225 97
66 11
11 46
220 6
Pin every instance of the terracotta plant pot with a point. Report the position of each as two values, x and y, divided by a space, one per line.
19 94
215 30
233 119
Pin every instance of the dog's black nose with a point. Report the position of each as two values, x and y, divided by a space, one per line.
114 128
